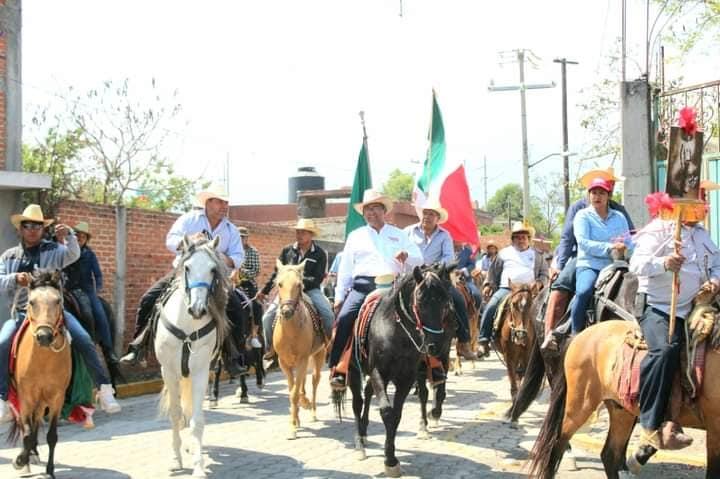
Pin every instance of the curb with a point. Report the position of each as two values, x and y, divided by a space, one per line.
153 386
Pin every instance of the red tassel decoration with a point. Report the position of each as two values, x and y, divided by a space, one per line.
658 202
687 120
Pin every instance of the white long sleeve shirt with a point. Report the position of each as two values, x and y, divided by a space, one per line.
371 253
702 263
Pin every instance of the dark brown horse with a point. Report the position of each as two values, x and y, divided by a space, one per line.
516 332
42 369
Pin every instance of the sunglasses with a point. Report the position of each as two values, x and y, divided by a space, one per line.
32 226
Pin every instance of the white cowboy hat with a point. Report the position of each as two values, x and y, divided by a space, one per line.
434 205
214 191
82 227
370 197
32 213
307 224
520 227
607 174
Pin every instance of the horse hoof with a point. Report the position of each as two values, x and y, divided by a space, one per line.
570 463
213 404
238 393
244 400
35 459
633 465
261 385
360 454
314 417
434 422
176 465
513 425
423 434
393 471
363 440
292 435
198 472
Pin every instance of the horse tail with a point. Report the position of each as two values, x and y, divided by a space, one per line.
531 383
186 401
338 399
549 448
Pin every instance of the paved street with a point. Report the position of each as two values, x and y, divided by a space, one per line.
248 440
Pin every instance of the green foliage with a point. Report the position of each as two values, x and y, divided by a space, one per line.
57 155
507 201
546 209
690 23
492 229
399 185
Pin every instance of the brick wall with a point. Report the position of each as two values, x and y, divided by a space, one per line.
147 258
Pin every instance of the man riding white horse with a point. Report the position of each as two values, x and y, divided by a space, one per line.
210 222
16 267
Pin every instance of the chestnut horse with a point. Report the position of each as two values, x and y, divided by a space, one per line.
296 341
588 379
516 333
42 369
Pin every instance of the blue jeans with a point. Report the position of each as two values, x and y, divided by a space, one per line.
102 324
362 286
475 292
658 368
584 288
81 341
566 279
463 330
488 317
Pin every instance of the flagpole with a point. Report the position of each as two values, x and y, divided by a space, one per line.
365 142
428 155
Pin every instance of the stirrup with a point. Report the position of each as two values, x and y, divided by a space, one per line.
338 382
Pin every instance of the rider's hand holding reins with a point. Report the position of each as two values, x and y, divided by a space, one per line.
23 279
401 256
711 287
553 274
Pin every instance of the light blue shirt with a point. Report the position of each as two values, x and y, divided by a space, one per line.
596 236
196 222
437 248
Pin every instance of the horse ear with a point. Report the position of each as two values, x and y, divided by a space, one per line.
56 277
510 285
184 244
301 266
417 274
215 242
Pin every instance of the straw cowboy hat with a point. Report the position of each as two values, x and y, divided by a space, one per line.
82 227
370 197
520 227
607 174
32 213
243 231
434 205
307 224
491 243
214 191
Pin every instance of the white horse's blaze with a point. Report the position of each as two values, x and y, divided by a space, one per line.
182 399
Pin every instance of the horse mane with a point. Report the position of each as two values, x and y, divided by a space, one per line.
221 284
46 278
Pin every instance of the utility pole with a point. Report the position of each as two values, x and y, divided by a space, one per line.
485 182
564 62
521 57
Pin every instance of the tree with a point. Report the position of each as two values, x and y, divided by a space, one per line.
399 185
56 155
507 202
546 212
689 22
120 137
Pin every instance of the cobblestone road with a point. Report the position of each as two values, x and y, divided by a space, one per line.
248 440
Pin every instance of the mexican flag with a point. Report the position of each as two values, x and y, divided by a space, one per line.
445 179
362 182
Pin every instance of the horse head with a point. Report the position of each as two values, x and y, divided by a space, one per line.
431 303
201 272
290 287
520 304
45 306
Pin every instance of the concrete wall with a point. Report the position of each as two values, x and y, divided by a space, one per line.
636 148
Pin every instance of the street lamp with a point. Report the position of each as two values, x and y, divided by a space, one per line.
566 186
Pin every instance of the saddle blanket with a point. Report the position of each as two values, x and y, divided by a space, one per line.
362 324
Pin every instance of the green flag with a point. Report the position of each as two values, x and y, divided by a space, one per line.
362 182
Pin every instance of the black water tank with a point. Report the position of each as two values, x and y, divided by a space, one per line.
306 178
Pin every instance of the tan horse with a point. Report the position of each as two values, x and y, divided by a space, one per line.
43 369
517 332
589 379
296 342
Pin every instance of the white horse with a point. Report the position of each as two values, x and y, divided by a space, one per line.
192 325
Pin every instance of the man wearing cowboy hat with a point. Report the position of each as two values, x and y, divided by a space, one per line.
210 222
316 262
85 274
374 250
517 263
247 273
562 274
436 246
16 267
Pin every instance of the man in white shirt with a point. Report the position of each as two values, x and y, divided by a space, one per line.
517 263
211 222
654 261
375 249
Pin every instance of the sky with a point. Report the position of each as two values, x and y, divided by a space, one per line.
272 85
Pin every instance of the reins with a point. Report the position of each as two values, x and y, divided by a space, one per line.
415 319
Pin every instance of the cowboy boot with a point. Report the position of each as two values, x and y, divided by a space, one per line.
673 438
556 307
463 350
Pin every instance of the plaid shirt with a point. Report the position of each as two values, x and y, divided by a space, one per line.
251 266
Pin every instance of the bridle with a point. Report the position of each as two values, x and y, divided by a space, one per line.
292 303
58 329
190 285
518 333
414 319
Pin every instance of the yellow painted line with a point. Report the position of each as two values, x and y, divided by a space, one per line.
139 388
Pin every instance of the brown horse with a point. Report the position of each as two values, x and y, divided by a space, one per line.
516 332
296 341
473 313
588 379
43 368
